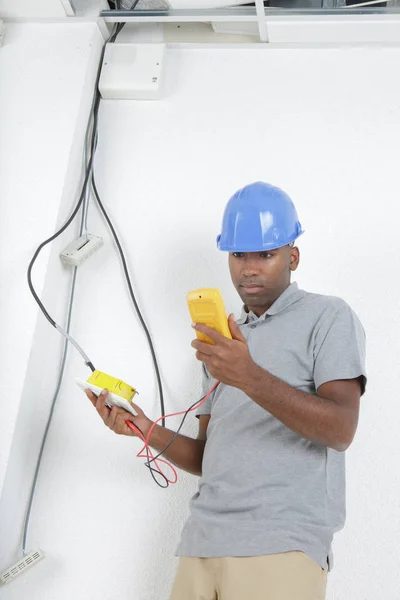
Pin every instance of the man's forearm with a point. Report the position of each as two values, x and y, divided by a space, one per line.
312 417
184 452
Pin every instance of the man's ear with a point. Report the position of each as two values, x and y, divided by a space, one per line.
294 258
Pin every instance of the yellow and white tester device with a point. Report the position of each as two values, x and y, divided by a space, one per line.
206 306
120 393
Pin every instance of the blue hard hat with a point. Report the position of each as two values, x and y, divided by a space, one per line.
258 217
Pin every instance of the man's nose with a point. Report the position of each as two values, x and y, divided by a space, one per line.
250 268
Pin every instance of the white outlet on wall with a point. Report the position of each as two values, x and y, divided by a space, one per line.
21 566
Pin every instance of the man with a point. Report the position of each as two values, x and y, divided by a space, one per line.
272 436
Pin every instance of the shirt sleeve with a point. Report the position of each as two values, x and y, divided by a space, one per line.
207 384
339 347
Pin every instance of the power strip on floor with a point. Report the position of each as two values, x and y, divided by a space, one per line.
21 566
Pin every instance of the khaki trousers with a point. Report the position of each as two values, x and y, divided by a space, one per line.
286 576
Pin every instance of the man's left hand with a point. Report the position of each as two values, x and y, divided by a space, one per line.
228 361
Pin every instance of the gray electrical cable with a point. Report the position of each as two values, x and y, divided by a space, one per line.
93 115
67 338
55 397
85 208
89 144
53 403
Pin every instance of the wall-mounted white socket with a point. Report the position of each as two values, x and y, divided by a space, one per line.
21 566
76 253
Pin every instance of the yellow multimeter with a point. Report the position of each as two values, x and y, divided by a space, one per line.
113 384
206 306
120 393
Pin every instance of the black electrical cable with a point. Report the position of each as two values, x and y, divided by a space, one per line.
152 469
149 461
89 179
88 166
133 298
53 237
51 412
89 172
176 432
121 253
93 111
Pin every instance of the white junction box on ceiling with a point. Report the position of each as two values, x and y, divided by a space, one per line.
132 71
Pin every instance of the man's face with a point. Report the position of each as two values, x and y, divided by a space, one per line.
261 277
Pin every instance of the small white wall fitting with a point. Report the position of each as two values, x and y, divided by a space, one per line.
76 253
21 566
132 72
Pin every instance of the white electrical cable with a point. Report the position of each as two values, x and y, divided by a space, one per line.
69 338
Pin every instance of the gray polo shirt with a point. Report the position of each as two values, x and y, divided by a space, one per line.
264 489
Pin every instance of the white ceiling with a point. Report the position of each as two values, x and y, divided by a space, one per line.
30 8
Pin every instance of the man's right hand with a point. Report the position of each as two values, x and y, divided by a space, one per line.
114 418
184 452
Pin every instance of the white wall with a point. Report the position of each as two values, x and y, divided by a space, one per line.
46 86
46 79
325 126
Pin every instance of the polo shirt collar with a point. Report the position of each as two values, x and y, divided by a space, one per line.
290 295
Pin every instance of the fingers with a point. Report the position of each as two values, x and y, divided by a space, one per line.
113 417
210 332
202 357
137 409
99 402
92 397
111 421
203 347
235 330
101 407
217 337
222 343
117 421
